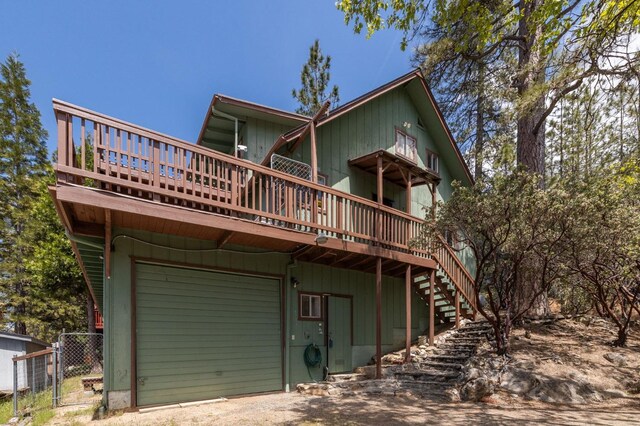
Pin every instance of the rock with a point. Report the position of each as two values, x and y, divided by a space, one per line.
518 381
616 359
614 393
452 395
475 390
423 347
472 374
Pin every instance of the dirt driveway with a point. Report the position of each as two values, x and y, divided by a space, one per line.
297 409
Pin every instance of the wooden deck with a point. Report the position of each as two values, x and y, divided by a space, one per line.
132 177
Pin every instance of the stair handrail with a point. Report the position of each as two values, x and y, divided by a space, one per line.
469 294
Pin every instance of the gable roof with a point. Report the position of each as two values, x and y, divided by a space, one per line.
414 78
242 109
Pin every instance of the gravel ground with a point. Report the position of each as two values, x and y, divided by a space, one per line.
297 409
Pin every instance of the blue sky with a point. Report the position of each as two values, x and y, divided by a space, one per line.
157 63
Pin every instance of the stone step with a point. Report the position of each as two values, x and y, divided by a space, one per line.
442 365
449 357
429 375
348 377
473 340
454 351
466 329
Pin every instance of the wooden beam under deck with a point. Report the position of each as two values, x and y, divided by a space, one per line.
129 212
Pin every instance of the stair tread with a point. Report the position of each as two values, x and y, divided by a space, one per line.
448 365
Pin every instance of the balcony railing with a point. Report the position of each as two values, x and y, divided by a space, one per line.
136 161
99 321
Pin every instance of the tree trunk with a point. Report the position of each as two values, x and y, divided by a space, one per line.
479 147
531 142
622 337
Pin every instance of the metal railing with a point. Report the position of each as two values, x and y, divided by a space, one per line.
34 378
121 157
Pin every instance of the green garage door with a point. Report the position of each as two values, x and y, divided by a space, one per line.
203 334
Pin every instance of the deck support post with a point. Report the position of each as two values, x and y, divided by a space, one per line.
380 186
407 295
433 200
314 152
457 309
408 194
107 243
378 318
432 307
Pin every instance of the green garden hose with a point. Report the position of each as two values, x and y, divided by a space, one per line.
312 358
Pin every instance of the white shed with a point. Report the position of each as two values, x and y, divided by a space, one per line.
11 345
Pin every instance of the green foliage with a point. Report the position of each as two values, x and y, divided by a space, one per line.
22 162
514 229
40 282
558 44
57 294
315 79
603 245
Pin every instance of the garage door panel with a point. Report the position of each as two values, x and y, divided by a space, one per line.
203 334
191 292
223 280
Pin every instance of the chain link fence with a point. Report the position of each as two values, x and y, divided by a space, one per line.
71 372
80 368
33 382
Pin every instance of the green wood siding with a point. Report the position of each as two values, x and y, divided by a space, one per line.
260 137
313 278
118 288
203 334
326 280
368 128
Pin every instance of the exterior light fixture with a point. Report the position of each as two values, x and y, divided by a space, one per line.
295 282
242 148
321 238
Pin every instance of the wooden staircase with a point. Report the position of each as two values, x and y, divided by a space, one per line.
444 298
453 286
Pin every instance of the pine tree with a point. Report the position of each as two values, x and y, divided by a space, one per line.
315 78
23 159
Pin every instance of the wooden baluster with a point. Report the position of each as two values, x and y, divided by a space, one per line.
63 137
261 207
83 161
244 184
211 175
107 150
253 191
129 162
234 183
155 163
97 138
338 217
118 155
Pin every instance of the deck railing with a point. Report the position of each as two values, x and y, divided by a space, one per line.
111 154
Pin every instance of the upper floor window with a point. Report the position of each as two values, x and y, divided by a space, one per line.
432 162
405 145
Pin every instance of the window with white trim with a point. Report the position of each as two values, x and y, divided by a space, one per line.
405 145
431 162
310 306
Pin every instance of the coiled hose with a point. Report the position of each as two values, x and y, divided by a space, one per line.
312 358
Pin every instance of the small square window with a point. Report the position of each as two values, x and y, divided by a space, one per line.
310 306
405 145
432 162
